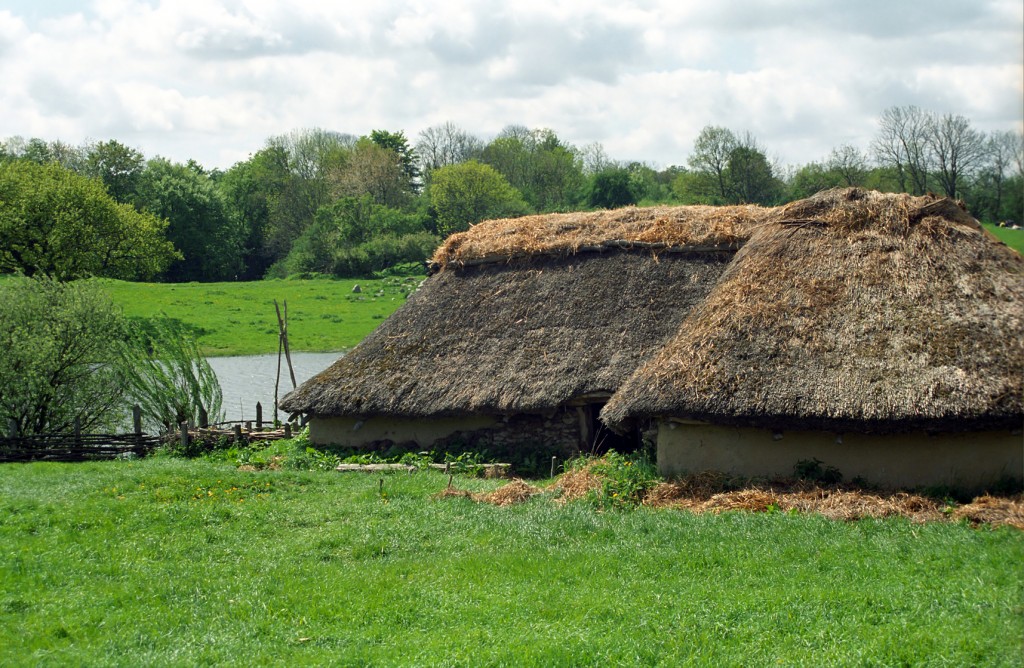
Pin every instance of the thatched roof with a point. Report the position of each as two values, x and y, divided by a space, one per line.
523 315
652 228
851 310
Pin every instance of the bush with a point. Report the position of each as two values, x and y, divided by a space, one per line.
61 357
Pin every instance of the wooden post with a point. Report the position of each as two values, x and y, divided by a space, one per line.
204 418
553 460
282 324
287 429
137 419
238 433
259 416
184 434
78 431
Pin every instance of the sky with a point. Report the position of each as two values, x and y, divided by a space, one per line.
212 80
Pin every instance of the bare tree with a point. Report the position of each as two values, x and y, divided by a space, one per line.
957 150
594 158
848 162
1004 152
445 144
902 143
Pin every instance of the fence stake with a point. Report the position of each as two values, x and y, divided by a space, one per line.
204 418
553 459
259 416
78 431
287 429
137 419
238 432
184 434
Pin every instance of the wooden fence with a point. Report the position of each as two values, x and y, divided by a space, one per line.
74 448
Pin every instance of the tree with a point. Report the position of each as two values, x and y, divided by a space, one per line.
199 224
399 145
902 144
849 163
167 375
60 360
812 178
251 194
62 224
443 145
117 166
376 171
305 168
545 171
464 194
957 150
750 177
611 188
711 151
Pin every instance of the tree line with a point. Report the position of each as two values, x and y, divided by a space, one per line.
318 201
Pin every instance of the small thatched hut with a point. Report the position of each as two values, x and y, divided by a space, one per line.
880 334
525 329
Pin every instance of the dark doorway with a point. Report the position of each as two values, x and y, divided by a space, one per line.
600 439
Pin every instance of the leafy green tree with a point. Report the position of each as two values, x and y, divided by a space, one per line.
811 178
464 194
62 224
117 166
611 188
61 357
750 177
303 169
199 224
547 173
710 159
356 236
251 189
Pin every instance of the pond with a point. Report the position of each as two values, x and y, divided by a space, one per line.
246 379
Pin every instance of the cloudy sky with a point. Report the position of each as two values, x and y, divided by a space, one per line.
213 79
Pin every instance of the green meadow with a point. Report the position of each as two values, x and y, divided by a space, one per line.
167 561
1012 238
239 318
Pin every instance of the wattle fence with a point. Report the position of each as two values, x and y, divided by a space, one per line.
75 448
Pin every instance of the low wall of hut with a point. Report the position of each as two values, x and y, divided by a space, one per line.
556 434
968 461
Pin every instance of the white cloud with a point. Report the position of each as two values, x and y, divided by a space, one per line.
212 79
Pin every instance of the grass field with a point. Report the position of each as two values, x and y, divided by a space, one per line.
189 562
239 318
1012 238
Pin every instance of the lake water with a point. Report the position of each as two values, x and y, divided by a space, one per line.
247 379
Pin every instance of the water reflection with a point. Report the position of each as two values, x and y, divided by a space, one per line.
246 379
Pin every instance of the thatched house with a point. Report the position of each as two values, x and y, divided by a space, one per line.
880 334
525 329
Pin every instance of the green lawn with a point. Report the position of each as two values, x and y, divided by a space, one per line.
239 318
1012 238
189 562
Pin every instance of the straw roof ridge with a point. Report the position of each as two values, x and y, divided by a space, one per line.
658 229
